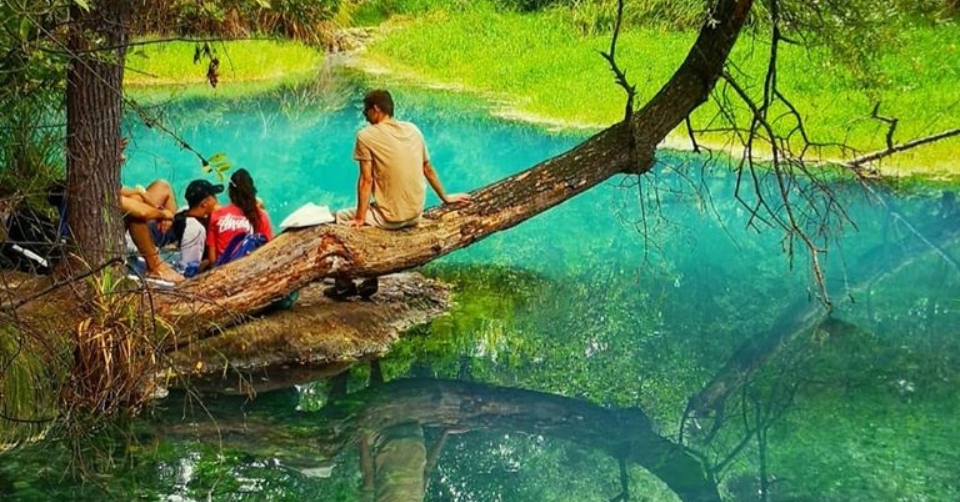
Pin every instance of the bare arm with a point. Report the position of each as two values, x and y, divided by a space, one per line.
211 256
364 189
431 174
434 453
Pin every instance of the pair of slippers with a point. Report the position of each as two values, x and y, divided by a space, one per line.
344 289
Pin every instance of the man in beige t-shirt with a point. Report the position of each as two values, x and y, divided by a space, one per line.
393 162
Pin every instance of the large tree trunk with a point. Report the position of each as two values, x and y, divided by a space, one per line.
97 43
298 258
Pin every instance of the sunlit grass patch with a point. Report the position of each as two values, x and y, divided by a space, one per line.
241 61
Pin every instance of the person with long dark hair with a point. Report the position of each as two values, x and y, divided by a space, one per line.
243 215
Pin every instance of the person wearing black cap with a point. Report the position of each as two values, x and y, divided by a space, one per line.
189 226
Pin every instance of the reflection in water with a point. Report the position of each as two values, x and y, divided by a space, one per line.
397 466
388 425
931 236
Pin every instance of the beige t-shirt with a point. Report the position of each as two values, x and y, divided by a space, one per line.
397 153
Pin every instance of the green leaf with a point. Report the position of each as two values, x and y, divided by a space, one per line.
218 157
25 26
83 5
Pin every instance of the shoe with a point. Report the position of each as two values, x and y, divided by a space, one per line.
368 288
341 290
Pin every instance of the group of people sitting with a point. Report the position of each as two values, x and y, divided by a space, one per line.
204 232
394 164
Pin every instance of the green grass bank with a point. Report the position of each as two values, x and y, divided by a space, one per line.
540 67
158 69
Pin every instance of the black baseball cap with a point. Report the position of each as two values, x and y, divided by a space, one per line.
198 190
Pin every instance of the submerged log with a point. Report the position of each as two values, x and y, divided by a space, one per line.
805 315
316 338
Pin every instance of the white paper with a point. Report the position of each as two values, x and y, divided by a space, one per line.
308 215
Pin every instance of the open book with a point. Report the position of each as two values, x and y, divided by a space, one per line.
308 215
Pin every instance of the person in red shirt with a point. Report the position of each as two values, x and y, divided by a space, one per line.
243 215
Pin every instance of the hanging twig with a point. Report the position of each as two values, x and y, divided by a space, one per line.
690 134
620 76
892 121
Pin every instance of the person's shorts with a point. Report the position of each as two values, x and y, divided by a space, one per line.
161 239
374 219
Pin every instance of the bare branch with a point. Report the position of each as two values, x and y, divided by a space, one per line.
858 162
620 76
891 121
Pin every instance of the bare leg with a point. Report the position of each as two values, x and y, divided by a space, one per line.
366 468
161 195
140 234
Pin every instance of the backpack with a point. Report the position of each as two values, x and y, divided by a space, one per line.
241 245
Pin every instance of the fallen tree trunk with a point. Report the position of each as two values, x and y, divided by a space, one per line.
297 258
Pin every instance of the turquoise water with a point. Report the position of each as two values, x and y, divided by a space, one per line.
578 339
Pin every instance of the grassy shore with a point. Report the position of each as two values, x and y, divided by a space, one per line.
247 67
544 70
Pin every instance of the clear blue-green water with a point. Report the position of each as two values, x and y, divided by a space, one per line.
628 297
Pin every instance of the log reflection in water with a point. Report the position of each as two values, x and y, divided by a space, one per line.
937 233
414 404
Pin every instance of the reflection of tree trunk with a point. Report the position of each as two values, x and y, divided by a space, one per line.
623 434
297 258
805 315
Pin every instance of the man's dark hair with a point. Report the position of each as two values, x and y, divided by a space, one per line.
380 98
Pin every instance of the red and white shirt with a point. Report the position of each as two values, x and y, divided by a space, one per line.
228 222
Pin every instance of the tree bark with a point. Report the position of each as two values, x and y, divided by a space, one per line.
295 259
315 339
97 42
